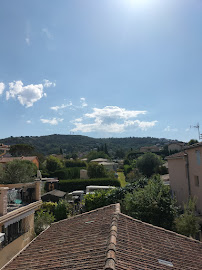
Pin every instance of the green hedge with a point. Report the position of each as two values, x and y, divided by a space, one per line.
75 163
80 184
67 173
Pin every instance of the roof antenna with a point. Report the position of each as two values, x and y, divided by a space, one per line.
198 127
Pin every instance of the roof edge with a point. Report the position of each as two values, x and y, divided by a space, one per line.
16 255
163 229
111 247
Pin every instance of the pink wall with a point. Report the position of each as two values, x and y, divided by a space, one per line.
179 178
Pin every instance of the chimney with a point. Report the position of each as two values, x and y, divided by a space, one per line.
3 200
37 190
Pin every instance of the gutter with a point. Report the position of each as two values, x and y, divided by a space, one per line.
187 169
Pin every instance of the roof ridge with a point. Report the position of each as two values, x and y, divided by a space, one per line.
111 246
162 229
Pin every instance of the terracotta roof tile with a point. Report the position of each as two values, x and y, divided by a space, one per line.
177 155
107 239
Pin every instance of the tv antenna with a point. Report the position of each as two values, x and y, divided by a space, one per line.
198 127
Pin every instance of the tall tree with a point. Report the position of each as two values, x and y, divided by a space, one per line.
106 150
96 171
53 164
19 171
152 204
21 150
148 163
192 141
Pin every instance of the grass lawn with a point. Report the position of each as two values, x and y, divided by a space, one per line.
122 179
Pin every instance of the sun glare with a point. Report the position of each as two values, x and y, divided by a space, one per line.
138 3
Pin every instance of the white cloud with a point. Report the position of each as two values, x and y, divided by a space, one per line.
56 108
48 83
83 102
169 129
113 112
27 95
111 119
78 120
53 121
2 87
27 40
28 31
112 127
28 121
47 33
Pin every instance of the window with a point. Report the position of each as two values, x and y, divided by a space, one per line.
13 231
198 157
196 179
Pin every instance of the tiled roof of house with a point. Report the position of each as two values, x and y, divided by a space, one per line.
8 159
194 145
176 155
182 153
106 239
55 192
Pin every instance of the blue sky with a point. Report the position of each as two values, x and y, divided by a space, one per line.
104 68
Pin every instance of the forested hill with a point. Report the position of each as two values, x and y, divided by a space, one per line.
77 143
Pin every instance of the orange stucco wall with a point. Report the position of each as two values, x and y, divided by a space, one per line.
35 161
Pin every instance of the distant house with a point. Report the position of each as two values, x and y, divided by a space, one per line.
175 146
185 173
83 174
33 159
18 203
106 239
98 160
109 166
53 196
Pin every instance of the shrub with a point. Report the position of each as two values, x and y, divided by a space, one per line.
127 169
49 207
80 184
96 200
42 220
62 210
105 197
187 223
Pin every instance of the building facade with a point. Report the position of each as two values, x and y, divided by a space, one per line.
18 204
185 173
